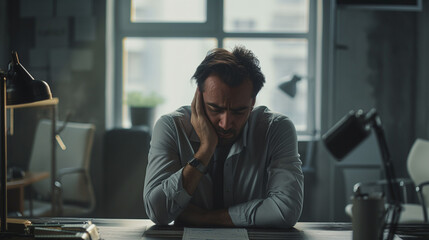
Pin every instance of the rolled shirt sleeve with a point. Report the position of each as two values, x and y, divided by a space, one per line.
164 195
284 193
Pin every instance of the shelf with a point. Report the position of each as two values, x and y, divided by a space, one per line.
49 102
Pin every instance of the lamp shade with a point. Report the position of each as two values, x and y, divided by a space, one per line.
21 87
289 87
347 133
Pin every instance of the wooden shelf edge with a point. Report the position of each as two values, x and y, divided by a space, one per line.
49 102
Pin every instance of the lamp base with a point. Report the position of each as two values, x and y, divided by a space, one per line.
25 229
15 227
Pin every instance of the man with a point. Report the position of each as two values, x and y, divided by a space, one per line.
222 162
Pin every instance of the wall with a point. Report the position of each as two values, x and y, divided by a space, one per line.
66 48
3 36
376 67
421 129
377 60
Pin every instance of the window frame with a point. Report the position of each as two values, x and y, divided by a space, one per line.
212 28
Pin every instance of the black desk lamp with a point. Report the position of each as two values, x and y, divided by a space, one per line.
348 133
289 87
17 87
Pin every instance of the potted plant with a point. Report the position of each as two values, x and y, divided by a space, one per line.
141 107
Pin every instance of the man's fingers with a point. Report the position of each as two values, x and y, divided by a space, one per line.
199 103
194 102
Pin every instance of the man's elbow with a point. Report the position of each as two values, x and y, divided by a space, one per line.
284 222
292 217
289 223
278 219
155 210
159 219
157 214
288 216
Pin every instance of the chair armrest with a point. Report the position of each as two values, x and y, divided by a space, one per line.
421 185
419 190
403 182
73 170
65 171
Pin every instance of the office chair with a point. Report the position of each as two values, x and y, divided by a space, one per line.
74 190
418 167
125 157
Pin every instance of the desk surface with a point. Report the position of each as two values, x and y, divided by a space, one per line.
144 229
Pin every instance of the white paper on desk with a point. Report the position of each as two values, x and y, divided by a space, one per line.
215 233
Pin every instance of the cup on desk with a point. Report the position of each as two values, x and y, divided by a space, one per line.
368 216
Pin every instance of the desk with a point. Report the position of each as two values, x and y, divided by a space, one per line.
144 229
15 190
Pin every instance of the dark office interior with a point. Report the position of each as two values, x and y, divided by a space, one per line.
363 58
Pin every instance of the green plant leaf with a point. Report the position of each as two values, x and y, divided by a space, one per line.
140 99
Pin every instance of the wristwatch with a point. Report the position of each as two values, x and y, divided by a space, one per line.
198 165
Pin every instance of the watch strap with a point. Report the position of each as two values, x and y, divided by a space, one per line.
198 165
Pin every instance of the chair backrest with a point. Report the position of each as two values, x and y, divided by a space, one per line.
78 139
418 164
124 169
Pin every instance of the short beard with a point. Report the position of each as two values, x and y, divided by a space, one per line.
228 141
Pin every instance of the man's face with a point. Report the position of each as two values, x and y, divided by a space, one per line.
227 108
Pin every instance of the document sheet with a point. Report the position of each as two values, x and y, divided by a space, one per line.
215 233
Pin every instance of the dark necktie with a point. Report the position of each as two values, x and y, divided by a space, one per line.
216 173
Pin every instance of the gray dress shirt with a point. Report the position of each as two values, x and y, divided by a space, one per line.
263 179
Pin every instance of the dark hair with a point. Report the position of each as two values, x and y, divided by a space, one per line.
232 67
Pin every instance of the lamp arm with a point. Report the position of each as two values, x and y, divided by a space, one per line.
375 121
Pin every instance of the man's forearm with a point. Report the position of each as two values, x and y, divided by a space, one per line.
191 176
219 218
197 216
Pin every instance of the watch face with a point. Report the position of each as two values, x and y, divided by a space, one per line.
194 162
198 165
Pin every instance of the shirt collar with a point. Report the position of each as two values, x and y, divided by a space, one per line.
241 142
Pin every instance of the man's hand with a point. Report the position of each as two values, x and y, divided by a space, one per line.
208 142
196 216
203 128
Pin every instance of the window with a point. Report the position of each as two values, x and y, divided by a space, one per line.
161 42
